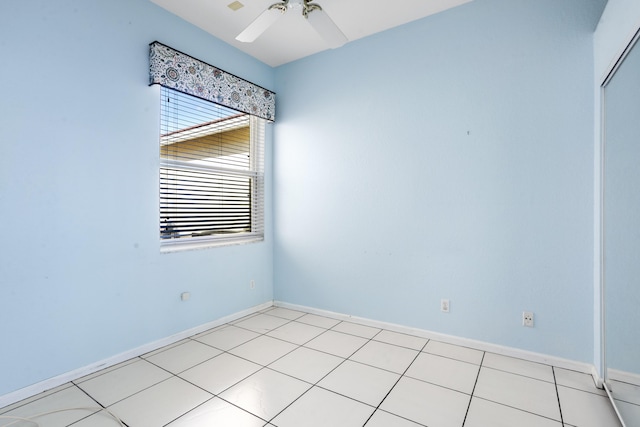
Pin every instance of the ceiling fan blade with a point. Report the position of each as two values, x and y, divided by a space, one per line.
328 30
260 25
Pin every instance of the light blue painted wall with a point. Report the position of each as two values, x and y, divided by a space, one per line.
618 23
448 158
81 274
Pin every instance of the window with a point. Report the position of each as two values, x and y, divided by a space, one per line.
211 173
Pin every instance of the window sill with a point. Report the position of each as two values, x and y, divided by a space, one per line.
191 245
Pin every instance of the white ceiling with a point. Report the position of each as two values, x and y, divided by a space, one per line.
292 38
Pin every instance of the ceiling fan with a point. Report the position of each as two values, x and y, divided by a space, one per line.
312 12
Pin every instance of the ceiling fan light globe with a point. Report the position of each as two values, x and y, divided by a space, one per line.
295 4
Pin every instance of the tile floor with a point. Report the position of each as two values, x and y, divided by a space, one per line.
284 368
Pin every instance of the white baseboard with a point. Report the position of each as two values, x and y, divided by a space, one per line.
624 377
59 380
559 362
597 379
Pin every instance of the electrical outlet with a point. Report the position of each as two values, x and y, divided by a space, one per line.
527 319
185 296
252 284
444 305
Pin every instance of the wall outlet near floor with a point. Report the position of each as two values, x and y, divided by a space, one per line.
252 284
527 319
444 305
185 296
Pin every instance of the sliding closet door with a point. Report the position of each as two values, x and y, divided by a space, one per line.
622 236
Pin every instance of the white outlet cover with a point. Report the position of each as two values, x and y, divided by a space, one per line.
445 305
527 319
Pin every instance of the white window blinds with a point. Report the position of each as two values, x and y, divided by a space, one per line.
211 172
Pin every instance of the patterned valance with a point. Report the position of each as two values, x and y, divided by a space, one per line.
175 70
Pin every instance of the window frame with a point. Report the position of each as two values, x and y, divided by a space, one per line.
255 173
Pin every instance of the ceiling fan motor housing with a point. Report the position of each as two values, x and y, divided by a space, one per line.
321 22
306 5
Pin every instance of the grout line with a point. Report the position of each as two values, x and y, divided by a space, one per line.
137 392
299 320
518 409
209 400
195 407
555 384
509 406
35 398
521 375
221 391
105 371
396 383
98 404
328 373
455 359
474 389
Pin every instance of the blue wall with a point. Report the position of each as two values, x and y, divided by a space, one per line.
449 158
619 22
81 273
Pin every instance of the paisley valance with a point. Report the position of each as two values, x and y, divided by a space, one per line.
176 70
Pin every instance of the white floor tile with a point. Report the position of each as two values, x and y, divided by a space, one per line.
263 350
105 370
184 356
165 348
123 382
320 321
325 372
227 338
337 343
385 356
630 412
518 366
624 391
457 352
285 313
99 419
220 373
265 393
483 413
322 408
577 380
356 329
426 403
445 372
583 409
307 364
402 340
384 419
296 332
217 412
361 382
67 397
261 323
34 398
160 404
520 392
208 331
